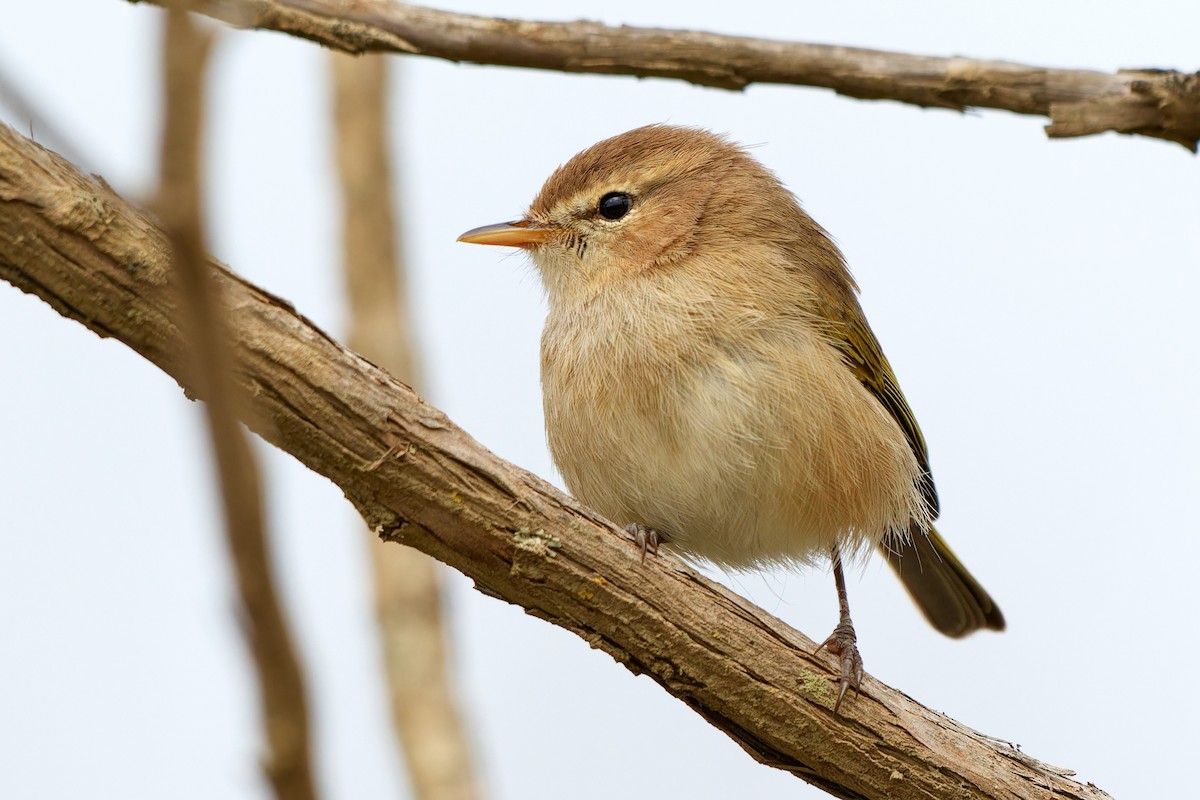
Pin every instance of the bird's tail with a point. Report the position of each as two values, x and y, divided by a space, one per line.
949 597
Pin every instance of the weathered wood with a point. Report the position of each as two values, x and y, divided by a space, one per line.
1159 103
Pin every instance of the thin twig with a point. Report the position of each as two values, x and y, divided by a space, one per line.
93 257
208 361
1163 104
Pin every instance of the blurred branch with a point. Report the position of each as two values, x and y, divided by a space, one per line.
418 479
407 588
1163 104
380 326
203 352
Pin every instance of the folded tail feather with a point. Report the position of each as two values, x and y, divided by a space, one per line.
949 596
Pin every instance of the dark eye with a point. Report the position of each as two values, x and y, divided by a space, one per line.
615 205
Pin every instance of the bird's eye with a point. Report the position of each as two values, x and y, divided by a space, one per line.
615 205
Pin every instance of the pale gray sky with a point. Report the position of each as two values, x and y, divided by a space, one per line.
1036 298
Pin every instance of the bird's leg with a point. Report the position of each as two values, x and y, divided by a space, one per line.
843 642
646 538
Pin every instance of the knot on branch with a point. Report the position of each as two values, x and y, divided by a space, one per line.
1177 96
1159 103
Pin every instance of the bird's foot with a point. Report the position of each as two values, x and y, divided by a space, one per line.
647 539
843 643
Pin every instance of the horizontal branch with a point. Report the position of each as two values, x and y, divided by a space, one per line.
1160 103
418 479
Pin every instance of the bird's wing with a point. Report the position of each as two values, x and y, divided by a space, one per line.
862 353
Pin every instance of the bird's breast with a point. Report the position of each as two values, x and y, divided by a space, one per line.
729 429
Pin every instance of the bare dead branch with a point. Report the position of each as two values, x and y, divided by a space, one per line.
1163 104
209 362
407 587
418 479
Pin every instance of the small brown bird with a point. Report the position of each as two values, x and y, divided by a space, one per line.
710 380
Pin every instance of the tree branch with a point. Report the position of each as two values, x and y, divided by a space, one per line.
408 586
418 479
205 349
1163 104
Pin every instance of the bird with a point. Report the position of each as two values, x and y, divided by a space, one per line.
710 380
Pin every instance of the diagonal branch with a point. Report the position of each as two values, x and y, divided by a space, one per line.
418 479
1163 104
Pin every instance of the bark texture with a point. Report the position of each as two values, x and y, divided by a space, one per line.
1164 104
420 480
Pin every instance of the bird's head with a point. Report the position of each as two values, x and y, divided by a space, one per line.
643 200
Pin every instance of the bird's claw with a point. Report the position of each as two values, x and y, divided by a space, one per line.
843 643
647 539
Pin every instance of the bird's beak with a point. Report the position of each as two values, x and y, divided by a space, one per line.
513 234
